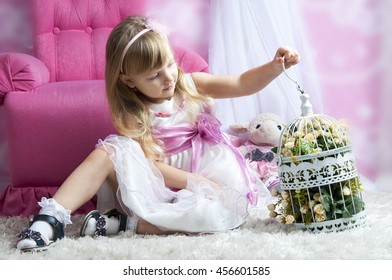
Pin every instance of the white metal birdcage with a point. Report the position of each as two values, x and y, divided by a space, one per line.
320 185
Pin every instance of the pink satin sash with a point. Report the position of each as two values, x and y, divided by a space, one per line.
207 129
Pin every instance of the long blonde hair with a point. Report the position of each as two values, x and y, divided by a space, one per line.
129 107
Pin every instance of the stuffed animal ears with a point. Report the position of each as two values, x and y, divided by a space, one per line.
239 128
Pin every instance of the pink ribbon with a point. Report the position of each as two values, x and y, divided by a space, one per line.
207 129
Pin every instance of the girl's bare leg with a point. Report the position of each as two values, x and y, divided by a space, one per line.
85 180
79 187
144 227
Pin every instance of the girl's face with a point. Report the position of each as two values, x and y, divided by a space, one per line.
158 84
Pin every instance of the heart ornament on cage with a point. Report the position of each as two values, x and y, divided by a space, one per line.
319 181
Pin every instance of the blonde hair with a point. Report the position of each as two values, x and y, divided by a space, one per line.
129 107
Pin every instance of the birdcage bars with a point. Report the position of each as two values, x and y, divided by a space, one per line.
318 174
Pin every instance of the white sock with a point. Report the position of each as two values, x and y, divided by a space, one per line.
132 224
112 226
52 208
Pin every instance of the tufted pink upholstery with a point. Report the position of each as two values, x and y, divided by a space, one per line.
54 102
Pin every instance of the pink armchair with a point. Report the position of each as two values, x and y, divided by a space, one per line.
54 101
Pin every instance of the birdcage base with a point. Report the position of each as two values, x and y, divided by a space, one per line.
337 225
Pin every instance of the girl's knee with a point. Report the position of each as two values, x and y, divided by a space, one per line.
104 155
101 158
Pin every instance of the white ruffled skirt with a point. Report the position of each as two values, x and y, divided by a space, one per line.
200 208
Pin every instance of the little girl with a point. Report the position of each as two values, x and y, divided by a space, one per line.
170 167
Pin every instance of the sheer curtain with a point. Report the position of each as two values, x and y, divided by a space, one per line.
247 33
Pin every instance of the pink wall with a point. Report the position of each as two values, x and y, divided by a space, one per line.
345 38
15 30
187 20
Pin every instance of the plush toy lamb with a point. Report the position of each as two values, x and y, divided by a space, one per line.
255 140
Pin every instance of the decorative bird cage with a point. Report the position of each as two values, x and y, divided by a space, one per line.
320 185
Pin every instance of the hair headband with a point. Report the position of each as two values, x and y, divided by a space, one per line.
150 26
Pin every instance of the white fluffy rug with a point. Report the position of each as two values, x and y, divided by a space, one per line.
260 238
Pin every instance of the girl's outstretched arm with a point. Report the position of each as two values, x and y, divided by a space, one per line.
248 82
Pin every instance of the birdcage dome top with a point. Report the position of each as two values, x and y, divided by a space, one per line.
313 135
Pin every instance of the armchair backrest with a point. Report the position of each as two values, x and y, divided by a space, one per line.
70 35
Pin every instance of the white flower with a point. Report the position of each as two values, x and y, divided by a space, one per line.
285 195
304 209
317 150
287 153
271 207
346 139
274 192
291 139
346 191
309 137
312 203
316 124
338 141
343 124
290 219
319 209
317 197
333 126
280 219
316 133
336 134
320 217
285 203
326 134
273 214
289 145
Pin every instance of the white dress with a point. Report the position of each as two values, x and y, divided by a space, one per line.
199 208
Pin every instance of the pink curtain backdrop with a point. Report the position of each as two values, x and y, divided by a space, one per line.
346 37
187 22
15 36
